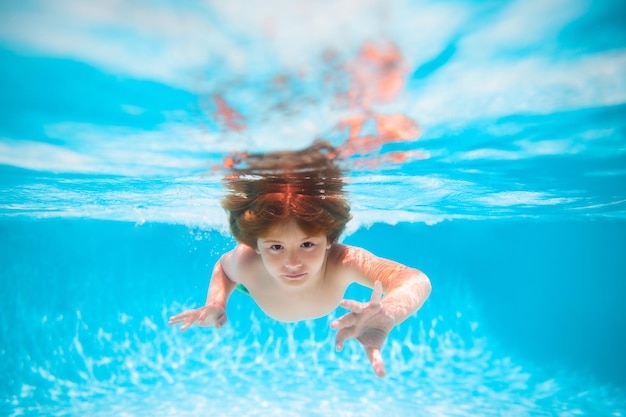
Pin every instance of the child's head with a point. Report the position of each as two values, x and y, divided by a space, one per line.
309 192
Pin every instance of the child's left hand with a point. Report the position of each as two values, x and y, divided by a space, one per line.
369 323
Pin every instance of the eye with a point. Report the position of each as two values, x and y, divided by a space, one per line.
307 245
276 247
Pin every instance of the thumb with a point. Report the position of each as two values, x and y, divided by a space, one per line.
343 335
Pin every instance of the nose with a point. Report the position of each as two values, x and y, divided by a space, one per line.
293 262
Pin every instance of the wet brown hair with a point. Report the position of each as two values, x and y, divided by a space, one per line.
267 189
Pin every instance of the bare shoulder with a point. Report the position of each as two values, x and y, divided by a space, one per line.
362 266
346 262
239 262
346 256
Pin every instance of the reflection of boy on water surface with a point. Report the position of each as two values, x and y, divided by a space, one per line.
287 211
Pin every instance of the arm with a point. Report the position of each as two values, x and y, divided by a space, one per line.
406 291
214 310
221 286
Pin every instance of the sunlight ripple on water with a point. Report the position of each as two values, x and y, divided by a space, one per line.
444 367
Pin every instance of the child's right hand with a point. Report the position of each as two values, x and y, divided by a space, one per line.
209 315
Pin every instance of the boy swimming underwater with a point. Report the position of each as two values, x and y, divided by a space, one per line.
287 211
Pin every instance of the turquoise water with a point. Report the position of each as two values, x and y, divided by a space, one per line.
515 326
485 144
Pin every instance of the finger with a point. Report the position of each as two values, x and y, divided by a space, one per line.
377 295
352 305
344 321
202 315
376 360
342 336
221 320
186 325
179 318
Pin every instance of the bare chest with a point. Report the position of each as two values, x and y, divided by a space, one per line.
294 305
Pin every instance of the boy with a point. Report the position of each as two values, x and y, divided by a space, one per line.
287 222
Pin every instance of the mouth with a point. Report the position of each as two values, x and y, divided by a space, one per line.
294 276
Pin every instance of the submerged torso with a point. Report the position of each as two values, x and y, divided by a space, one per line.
315 297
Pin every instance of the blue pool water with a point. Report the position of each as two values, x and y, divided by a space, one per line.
484 142
531 326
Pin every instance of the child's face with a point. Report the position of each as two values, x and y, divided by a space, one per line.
292 256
